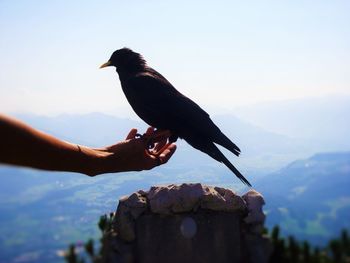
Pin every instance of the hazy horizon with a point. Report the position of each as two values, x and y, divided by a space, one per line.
125 111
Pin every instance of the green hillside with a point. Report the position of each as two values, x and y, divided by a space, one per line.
310 198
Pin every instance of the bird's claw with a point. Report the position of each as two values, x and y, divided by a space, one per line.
147 138
150 144
138 136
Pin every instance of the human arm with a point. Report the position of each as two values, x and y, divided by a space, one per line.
23 145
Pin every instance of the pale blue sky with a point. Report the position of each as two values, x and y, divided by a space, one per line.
222 54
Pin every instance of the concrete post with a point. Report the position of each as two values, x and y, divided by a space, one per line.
187 223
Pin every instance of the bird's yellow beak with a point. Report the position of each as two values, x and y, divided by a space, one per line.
107 64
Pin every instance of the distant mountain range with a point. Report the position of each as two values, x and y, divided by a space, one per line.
42 212
310 198
323 120
262 151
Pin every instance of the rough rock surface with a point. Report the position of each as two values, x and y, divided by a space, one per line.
187 197
255 202
257 246
187 223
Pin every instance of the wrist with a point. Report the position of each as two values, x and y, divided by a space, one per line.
88 160
98 161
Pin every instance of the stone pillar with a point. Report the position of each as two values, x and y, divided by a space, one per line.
187 223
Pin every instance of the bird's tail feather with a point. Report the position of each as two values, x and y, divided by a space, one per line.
228 144
213 151
235 171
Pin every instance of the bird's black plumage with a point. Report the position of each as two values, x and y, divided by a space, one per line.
160 105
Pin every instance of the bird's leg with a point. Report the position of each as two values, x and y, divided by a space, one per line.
150 142
157 153
171 139
147 138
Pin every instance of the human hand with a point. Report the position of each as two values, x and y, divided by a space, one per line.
131 154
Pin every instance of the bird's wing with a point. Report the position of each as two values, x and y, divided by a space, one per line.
158 103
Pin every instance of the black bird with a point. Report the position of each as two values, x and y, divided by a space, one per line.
160 105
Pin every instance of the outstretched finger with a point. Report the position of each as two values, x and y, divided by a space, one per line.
160 145
132 134
167 153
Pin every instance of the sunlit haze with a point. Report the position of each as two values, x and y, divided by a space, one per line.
222 55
